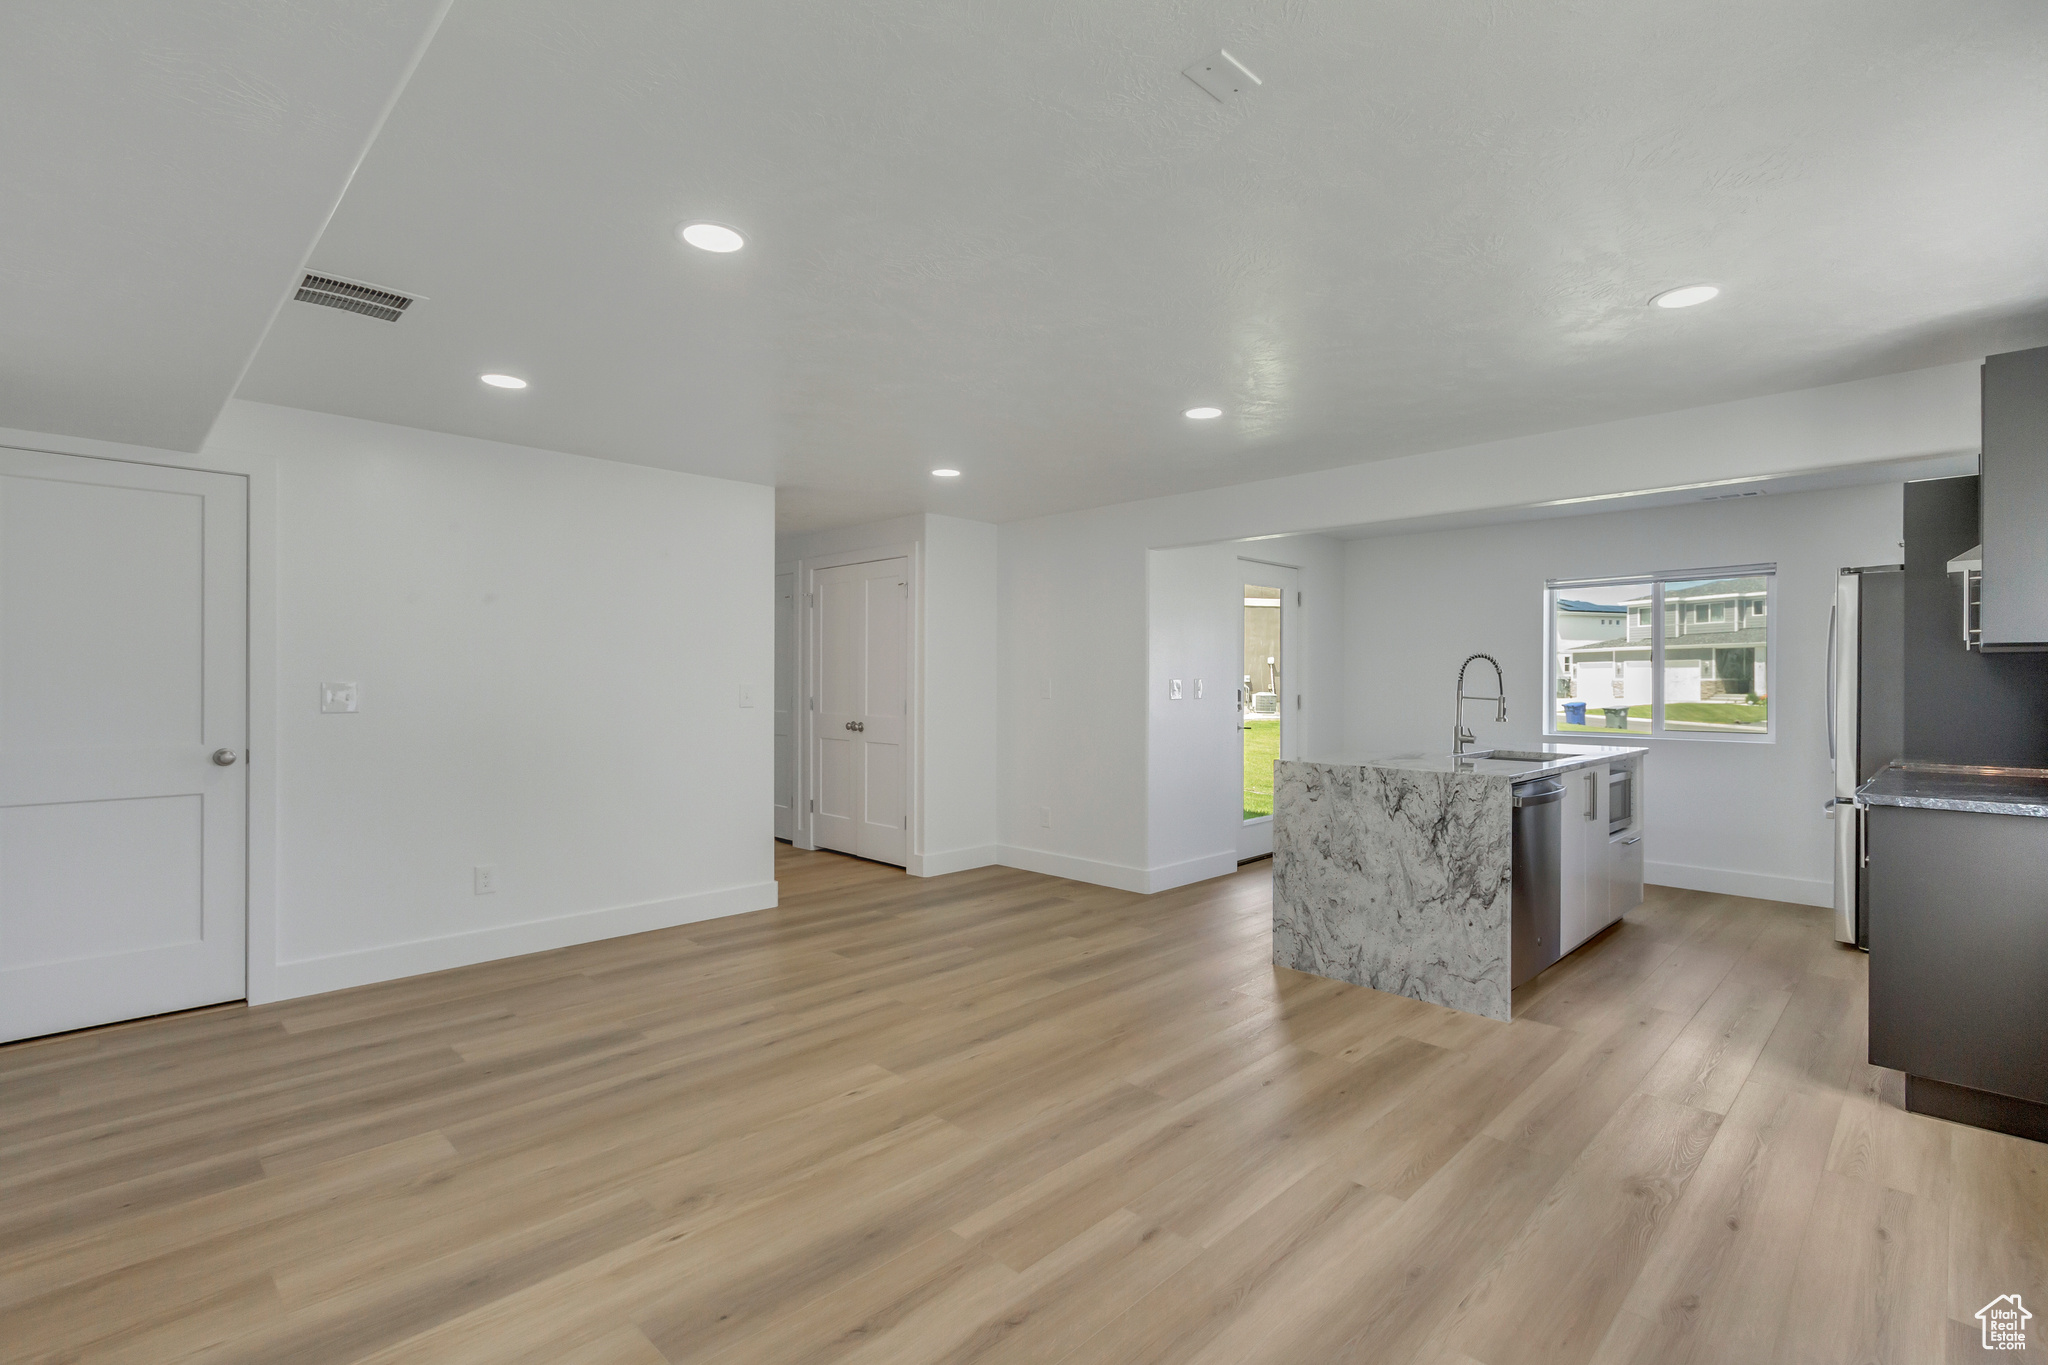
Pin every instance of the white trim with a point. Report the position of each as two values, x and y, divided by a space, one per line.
796 700
1193 870
1725 881
1664 575
954 860
1118 875
311 976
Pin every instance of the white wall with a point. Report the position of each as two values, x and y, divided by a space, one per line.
1744 818
953 782
1195 754
957 785
1080 581
549 650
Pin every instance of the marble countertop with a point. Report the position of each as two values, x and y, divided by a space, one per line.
1943 786
1514 764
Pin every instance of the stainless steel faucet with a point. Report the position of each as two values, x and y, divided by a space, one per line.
1460 736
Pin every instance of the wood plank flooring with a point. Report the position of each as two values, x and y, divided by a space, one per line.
998 1117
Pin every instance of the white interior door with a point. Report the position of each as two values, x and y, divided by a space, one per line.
785 705
860 756
123 740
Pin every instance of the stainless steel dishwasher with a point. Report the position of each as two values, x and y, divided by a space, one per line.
1537 893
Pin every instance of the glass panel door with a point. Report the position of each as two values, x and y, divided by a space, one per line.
1259 697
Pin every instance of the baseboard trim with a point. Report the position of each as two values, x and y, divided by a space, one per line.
1120 876
314 975
953 860
1117 875
1193 870
1723 881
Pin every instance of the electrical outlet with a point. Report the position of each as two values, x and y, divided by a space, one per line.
1045 817
1173 690
1198 689
486 875
337 698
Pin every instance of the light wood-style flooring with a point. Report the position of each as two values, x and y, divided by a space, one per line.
998 1117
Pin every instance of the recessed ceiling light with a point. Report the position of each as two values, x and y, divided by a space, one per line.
711 237
504 381
945 473
1686 295
1204 414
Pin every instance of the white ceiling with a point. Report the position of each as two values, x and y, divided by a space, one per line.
1015 240
165 168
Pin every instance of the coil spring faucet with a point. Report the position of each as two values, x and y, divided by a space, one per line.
1460 736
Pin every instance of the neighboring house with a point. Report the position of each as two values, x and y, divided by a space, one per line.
1716 636
1578 621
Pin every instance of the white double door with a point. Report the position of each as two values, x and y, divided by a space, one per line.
861 685
123 740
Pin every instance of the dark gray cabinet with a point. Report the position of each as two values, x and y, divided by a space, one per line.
2014 614
1959 962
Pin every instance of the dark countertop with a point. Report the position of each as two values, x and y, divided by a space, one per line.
1942 786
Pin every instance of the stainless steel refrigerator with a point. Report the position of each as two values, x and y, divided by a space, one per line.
1866 720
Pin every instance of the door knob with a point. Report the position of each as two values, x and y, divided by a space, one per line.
224 757
856 725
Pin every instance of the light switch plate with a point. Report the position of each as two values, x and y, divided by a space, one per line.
486 875
337 698
1173 690
1198 689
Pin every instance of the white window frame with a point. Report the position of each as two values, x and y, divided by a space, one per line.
1555 587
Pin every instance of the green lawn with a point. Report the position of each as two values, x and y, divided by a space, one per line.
1261 748
1678 713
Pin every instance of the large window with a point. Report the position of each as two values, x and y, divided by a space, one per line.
1678 654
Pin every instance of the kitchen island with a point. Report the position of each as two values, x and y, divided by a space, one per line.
1397 872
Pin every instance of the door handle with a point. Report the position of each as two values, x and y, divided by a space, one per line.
225 757
1832 612
1592 798
856 725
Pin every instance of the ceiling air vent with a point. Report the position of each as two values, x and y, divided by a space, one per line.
353 298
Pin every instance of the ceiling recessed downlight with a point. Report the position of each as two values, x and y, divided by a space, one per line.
504 381
1204 414
945 473
711 237
1685 296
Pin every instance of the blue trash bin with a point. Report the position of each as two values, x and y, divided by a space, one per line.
1575 713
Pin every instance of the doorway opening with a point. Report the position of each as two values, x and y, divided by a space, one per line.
1268 702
